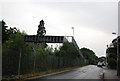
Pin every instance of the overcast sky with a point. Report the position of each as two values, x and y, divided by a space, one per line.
93 21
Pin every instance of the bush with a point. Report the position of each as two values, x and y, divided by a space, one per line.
112 63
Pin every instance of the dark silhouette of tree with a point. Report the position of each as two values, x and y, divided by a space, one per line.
4 31
41 29
111 52
12 30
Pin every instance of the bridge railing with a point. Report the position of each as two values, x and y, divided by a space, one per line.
72 40
76 46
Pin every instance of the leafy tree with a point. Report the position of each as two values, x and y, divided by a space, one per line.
69 55
4 31
112 60
112 63
89 55
11 53
16 41
112 55
69 50
41 29
101 59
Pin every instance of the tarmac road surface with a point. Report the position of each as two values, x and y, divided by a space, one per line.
86 72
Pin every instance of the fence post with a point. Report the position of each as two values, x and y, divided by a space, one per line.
19 63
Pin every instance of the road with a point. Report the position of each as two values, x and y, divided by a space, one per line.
86 72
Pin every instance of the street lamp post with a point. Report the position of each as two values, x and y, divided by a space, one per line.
118 55
73 31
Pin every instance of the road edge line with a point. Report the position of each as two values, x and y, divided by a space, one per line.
35 77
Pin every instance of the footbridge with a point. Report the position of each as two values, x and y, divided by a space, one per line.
52 39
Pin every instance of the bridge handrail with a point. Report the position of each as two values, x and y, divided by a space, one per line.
76 46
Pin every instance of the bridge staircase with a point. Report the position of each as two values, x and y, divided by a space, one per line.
74 43
76 46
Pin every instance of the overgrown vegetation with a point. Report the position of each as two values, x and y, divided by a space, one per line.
34 57
112 55
89 56
112 58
